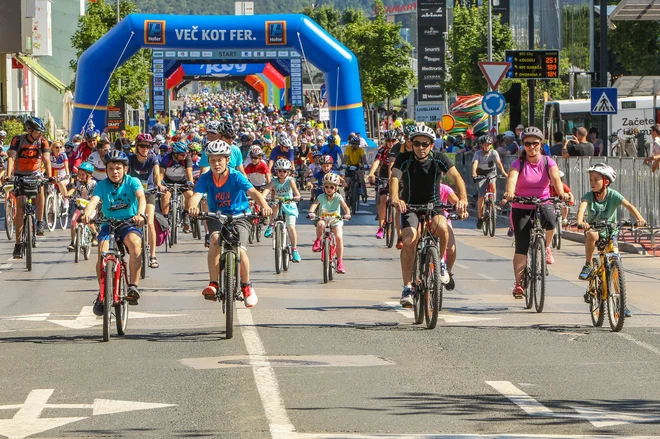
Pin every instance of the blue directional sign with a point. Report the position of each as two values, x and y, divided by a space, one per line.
493 103
604 100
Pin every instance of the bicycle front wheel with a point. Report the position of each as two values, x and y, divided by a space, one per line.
616 295
108 293
144 256
278 248
77 243
355 197
229 286
87 243
286 250
418 287
389 225
175 227
28 231
539 274
596 302
9 217
558 232
51 212
529 284
491 218
121 308
325 256
433 290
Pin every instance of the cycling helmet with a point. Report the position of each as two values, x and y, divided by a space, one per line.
326 159
116 156
144 138
34 123
330 139
331 179
285 142
245 137
163 147
179 148
282 164
531 132
90 134
319 138
408 129
256 152
3 133
354 140
218 147
257 142
604 170
213 127
484 139
422 130
316 154
87 167
159 139
127 147
391 135
68 144
226 130
308 125
196 147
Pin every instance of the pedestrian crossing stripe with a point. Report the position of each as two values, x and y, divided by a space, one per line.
603 105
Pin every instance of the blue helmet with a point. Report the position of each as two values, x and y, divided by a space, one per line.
116 156
179 148
34 123
91 134
331 139
87 167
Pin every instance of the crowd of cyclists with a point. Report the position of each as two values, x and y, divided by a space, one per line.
225 151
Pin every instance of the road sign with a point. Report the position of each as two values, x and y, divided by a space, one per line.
324 94
429 113
604 100
532 64
448 122
494 72
493 103
324 114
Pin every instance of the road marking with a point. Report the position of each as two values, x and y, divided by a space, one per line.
407 312
287 361
528 404
264 376
604 418
485 276
461 436
87 319
448 318
27 421
463 266
28 317
5 267
640 343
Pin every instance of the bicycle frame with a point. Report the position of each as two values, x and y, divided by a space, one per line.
114 253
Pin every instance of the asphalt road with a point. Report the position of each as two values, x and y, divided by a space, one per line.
340 360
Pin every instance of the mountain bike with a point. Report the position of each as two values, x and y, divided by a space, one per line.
328 245
175 215
230 262
29 187
536 269
390 212
556 240
353 189
82 242
114 279
255 224
281 241
56 207
10 210
607 283
489 219
428 267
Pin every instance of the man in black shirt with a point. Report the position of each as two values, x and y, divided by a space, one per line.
579 147
420 171
556 147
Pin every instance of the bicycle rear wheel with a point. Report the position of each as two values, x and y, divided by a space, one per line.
616 295
63 212
87 242
418 287
433 290
27 241
51 212
528 284
491 218
278 248
558 233
596 302
286 251
229 285
485 223
108 294
539 275
77 243
121 308
325 256
10 228
144 256
389 225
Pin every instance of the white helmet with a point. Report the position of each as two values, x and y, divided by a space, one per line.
286 142
255 150
282 164
218 147
3 133
604 170
422 130
332 179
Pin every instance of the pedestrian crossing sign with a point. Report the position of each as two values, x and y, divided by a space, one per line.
604 100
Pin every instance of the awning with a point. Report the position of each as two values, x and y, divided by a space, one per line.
637 10
39 70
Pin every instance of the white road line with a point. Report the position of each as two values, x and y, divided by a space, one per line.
520 398
485 276
5 266
408 313
264 377
640 343
461 436
463 266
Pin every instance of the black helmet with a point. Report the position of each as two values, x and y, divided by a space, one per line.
484 139
34 123
226 130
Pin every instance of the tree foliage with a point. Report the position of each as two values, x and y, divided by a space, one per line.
134 73
635 45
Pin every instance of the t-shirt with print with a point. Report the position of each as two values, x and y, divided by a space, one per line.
227 196
143 171
175 170
603 210
329 207
119 202
420 179
486 161
57 164
533 180
279 153
99 166
28 154
257 173
383 156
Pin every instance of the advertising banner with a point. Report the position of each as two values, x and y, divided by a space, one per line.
431 28
116 116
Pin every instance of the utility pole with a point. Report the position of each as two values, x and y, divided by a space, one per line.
490 52
603 66
118 11
532 82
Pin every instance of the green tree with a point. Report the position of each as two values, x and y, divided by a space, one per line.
636 45
133 75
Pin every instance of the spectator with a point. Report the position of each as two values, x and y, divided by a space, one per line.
158 129
558 145
439 143
509 143
578 147
654 157
592 136
121 141
519 130
105 135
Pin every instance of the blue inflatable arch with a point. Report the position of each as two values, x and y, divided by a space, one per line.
188 32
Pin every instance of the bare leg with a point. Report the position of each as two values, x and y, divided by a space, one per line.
519 263
409 237
339 238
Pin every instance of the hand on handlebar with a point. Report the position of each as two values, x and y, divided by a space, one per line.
138 220
371 178
311 215
509 196
347 216
461 209
296 198
399 205
193 211
266 211
641 222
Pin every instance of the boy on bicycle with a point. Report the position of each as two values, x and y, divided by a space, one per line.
227 190
122 198
83 188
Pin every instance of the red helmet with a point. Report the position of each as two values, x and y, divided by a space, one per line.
326 159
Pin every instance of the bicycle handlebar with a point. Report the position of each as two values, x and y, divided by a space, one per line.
536 200
484 177
218 216
430 207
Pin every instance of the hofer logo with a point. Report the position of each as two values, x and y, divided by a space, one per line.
154 32
276 33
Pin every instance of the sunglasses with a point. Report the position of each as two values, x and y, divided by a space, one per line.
531 144
143 145
329 187
422 144
282 170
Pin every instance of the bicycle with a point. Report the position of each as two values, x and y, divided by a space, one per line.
488 221
536 269
281 241
428 267
10 210
607 282
114 279
30 188
556 240
230 260
146 248
390 212
328 246
56 208
255 224
175 215
353 189
83 240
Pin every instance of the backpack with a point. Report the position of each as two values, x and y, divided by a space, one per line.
162 229
545 160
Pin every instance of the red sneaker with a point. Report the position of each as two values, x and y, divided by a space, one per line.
317 246
210 292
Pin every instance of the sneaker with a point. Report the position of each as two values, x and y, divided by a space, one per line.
132 295
340 267
269 232
407 297
380 234
98 307
564 222
17 251
249 295
444 273
549 259
71 247
317 246
210 292
627 313
399 243
95 241
518 292
480 223
585 274
509 232
207 240
40 228
449 286
296 255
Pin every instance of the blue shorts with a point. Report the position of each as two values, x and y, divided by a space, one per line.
122 232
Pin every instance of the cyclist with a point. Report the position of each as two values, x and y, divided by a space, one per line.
531 175
222 131
246 143
176 168
83 188
227 191
285 188
420 172
326 163
333 150
122 198
26 155
97 159
382 165
163 149
59 165
484 163
283 151
195 151
355 156
257 171
331 203
144 166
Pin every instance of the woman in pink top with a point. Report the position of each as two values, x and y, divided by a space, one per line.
531 176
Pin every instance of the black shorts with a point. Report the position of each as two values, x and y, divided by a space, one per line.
242 225
383 188
522 225
409 219
168 181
